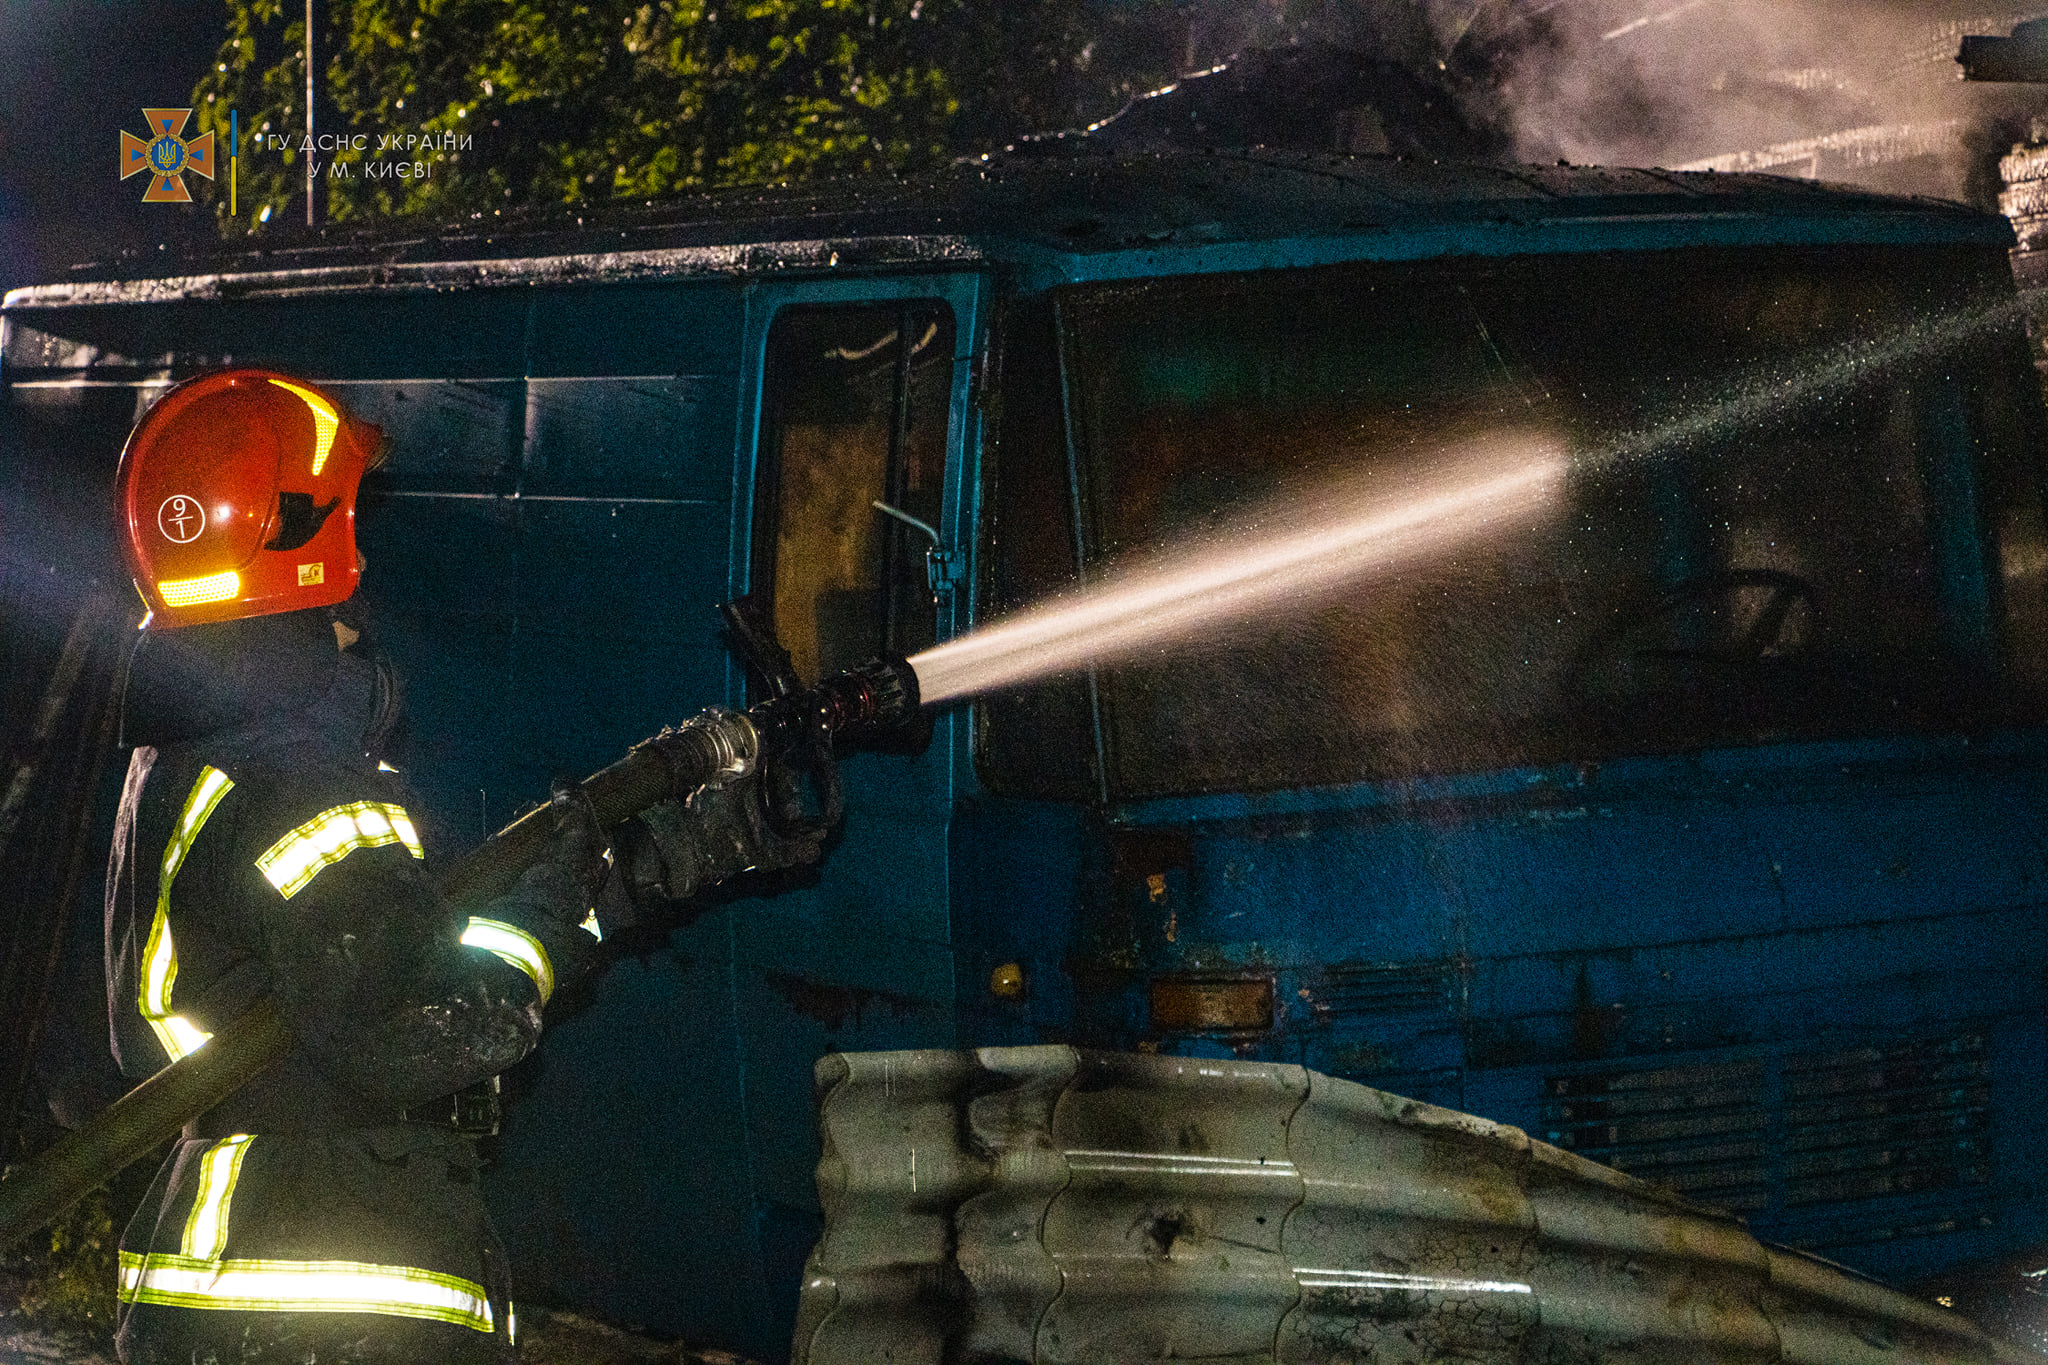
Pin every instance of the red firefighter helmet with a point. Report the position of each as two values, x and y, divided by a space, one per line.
238 498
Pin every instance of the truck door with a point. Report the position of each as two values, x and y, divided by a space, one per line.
857 393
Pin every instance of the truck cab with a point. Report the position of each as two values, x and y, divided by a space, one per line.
1695 823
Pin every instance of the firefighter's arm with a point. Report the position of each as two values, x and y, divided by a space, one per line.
402 997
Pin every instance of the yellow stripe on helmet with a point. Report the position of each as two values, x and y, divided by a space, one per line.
325 422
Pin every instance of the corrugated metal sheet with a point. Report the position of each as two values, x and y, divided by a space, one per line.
1052 1205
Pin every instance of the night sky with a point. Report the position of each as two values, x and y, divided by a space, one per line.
75 73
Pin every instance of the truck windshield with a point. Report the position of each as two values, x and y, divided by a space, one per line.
1804 502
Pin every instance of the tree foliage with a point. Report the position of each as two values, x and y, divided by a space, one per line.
572 101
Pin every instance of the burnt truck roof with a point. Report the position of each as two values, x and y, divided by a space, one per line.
1062 217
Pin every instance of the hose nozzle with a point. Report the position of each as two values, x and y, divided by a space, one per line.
876 695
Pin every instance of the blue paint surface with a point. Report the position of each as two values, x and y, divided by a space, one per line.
1743 907
571 492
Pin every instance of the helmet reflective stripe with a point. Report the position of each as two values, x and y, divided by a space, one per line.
206 1230
160 955
332 835
325 421
304 1287
515 946
195 592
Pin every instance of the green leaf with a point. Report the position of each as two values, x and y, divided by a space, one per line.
575 100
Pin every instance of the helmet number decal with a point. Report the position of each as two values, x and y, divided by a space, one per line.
181 519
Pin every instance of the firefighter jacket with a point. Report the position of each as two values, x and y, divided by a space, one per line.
305 1218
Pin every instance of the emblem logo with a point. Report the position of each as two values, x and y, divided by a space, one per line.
181 519
166 156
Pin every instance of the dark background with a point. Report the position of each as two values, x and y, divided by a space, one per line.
73 74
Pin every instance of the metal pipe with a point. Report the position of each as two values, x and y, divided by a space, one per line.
896 480
310 182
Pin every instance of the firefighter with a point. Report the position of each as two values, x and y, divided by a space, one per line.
263 847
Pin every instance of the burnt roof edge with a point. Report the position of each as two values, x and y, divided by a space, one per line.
597 267
1893 222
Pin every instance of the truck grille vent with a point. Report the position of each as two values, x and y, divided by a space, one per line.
1789 1130
1410 988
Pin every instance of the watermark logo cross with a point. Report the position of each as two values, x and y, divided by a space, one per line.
166 156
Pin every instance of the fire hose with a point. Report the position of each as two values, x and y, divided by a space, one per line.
718 745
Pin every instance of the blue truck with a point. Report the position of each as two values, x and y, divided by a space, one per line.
1698 827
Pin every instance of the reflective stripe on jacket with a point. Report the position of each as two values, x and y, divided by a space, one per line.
275 859
236 1240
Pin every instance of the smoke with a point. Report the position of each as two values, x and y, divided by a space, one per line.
1863 92
1858 91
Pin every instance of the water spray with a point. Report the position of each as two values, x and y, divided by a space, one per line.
1349 535
1353 533
1808 380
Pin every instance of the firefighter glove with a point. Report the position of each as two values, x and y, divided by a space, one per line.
579 846
755 824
